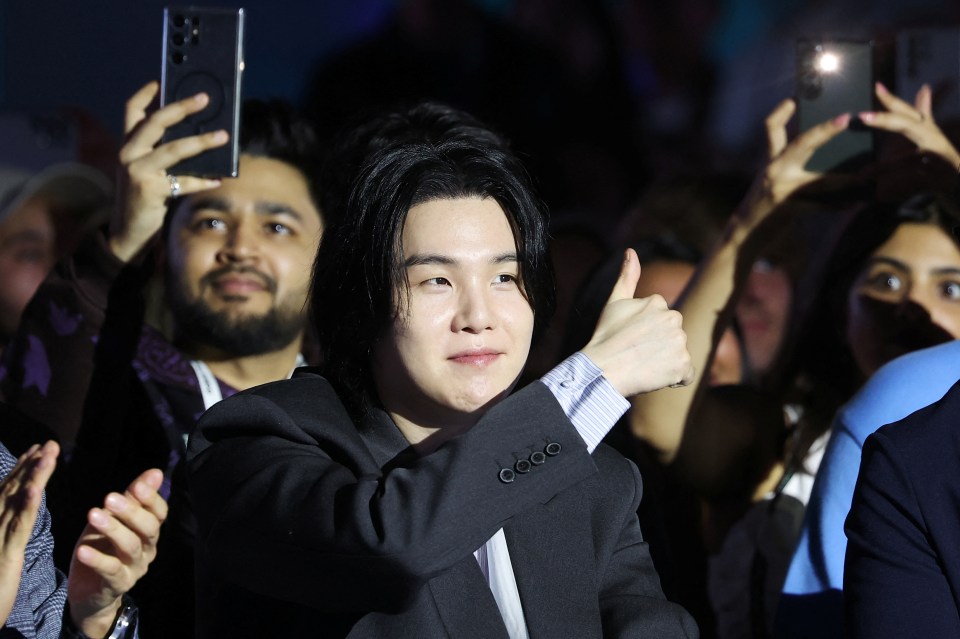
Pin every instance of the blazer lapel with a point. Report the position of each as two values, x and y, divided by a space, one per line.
466 604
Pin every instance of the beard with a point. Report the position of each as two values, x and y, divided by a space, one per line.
238 336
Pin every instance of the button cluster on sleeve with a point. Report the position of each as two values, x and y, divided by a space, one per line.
523 466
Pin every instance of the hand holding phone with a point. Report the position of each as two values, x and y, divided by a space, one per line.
203 53
834 78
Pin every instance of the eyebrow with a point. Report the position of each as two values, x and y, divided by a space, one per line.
946 270
419 259
261 207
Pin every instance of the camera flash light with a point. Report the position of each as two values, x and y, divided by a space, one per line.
828 62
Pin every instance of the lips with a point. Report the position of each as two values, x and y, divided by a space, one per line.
475 357
238 285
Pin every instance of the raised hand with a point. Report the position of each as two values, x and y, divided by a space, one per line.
639 344
785 174
915 122
114 551
144 186
20 494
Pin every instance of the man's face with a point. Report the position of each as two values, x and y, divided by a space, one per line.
463 331
27 253
240 257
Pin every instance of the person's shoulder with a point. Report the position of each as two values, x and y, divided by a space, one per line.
929 434
902 386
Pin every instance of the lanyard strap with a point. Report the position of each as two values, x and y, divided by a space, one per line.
210 387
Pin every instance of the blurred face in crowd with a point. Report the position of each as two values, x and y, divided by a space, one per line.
668 278
463 329
906 297
240 257
27 253
762 312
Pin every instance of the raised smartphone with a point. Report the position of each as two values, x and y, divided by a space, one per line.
833 78
203 51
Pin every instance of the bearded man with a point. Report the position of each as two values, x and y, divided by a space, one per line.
123 394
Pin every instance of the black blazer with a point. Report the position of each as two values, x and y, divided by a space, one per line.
902 571
311 525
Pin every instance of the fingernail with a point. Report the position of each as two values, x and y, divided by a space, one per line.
882 89
98 518
213 183
116 503
220 136
841 121
201 98
867 116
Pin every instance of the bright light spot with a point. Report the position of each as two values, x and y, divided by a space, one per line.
242 65
828 63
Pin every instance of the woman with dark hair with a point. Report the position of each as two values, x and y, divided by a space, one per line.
408 491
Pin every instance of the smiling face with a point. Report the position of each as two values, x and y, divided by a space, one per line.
919 264
239 259
463 329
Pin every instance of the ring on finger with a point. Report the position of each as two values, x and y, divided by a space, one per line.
174 185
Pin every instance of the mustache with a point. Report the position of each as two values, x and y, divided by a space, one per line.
210 279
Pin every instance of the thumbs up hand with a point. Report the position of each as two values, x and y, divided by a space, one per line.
639 344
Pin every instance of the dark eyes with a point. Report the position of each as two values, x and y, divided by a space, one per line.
885 282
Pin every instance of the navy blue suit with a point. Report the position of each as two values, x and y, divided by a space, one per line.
902 568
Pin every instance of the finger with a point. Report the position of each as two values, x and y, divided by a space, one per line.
109 567
908 126
145 137
894 104
144 490
924 102
626 285
136 109
166 155
140 520
776 124
127 545
689 376
807 143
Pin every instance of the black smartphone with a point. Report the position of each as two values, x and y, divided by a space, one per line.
203 51
833 78
931 56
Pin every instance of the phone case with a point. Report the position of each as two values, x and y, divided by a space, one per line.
203 51
824 92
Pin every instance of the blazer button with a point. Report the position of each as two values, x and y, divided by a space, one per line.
507 475
552 449
537 458
523 466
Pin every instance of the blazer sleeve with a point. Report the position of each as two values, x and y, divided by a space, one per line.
291 504
632 603
894 583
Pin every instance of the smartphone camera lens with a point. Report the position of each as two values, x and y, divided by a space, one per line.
177 39
179 21
178 57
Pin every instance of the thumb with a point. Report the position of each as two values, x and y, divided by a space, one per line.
626 285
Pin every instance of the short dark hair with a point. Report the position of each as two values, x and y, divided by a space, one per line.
274 129
425 153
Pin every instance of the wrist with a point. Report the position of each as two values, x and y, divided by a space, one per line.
95 623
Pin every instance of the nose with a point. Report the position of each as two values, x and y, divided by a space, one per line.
240 245
474 311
